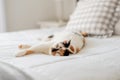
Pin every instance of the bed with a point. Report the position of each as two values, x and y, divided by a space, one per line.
99 60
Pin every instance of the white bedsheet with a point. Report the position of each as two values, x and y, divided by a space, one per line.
99 60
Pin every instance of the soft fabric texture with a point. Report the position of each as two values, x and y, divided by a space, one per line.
94 17
99 60
8 72
117 18
117 28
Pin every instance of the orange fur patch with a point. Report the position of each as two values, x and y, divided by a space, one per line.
84 34
72 48
29 52
77 50
20 46
23 46
53 53
61 52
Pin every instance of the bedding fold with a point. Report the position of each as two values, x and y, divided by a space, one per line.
99 60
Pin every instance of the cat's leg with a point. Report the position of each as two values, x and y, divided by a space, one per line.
39 48
23 52
24 46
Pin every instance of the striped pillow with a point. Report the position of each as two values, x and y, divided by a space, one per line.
94 17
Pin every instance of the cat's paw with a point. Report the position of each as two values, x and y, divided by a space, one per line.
24 46
20 53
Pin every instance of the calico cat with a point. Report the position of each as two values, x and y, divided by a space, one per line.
62 44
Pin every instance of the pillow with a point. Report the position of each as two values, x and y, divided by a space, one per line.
93 17
117 26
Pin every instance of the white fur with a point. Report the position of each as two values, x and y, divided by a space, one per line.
45 46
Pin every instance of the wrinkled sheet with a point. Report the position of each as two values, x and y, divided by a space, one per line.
9 72
99 60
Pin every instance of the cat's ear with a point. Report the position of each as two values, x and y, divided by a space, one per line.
67 43
54 49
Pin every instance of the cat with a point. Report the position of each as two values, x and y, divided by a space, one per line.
62 44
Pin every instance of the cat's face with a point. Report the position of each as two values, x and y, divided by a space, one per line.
63 48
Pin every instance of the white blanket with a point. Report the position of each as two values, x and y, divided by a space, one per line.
99 60
9 72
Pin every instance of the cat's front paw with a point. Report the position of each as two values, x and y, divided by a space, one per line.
20 53
24 46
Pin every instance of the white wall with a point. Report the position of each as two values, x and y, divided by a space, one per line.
24 14
2 17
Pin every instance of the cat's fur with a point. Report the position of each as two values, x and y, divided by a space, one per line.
63 44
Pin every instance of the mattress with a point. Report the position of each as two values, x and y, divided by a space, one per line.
99 60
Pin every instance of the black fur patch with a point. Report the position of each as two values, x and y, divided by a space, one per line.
51 36
67 52
67 44
54 49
